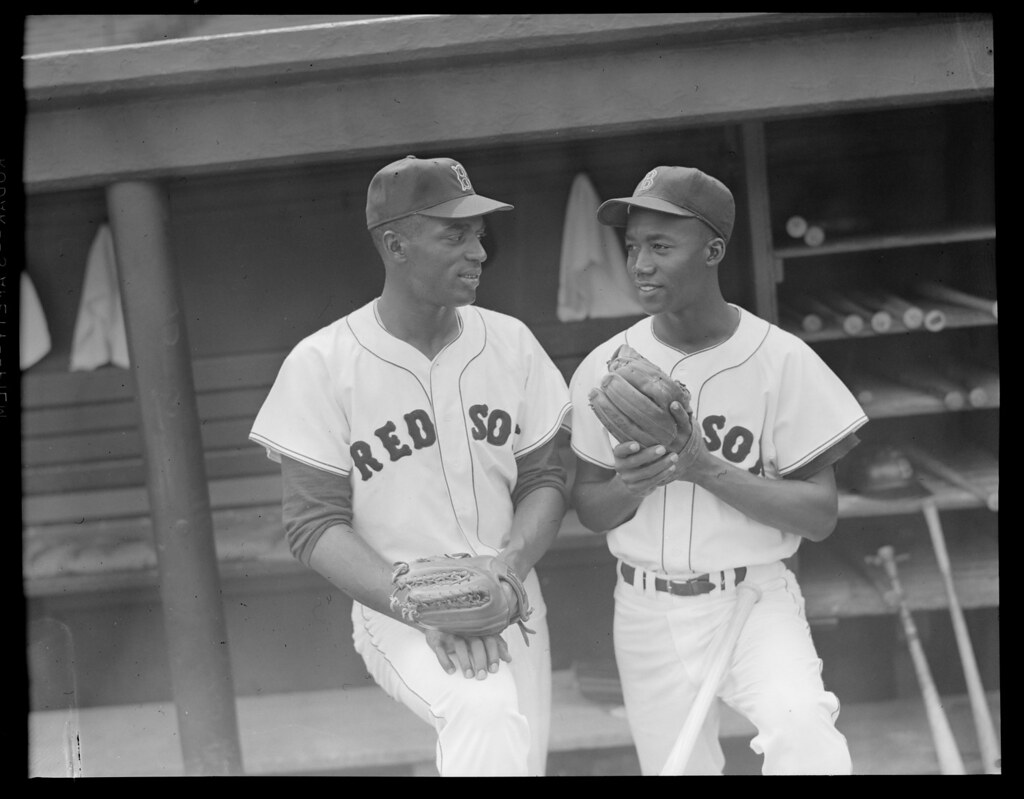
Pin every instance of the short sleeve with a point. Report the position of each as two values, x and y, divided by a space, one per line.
545 399
590 439
302 417
814 411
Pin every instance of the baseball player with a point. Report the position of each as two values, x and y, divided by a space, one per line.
419 425
686 529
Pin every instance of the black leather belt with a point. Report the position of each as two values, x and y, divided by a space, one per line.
702 584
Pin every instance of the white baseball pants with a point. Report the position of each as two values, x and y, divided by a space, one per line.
493 727
663 645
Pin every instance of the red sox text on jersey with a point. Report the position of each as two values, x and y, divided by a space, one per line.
492 426
735 444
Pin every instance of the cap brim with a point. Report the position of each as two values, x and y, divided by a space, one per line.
462 207
616 212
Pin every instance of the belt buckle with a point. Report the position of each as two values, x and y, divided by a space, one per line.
696 583
690 587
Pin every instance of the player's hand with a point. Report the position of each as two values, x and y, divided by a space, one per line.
692 449
474 657
643 469
510 595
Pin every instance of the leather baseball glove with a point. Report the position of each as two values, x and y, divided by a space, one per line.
460 594
633 402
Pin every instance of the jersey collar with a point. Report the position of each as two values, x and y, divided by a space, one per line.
373 336
743 342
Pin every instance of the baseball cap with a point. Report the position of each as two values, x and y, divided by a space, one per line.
437 187
680 191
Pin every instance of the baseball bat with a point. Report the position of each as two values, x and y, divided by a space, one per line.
880 321
946 749
909 314
934 320
851 324
932 464
951 394
982 383
747 595
912 315
808 322
864 387
988 742
796 226
814 236
937 291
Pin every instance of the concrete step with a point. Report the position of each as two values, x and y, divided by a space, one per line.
362 730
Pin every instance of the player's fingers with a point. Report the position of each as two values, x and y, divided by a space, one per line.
460 649
645 480
444 660
493 649
503 652
683 421
439 647
633 471
625 449
631 455
679 412
478 656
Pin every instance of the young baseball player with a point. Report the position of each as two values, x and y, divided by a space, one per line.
687 528
420 425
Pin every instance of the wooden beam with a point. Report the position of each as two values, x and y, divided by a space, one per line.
301 51
458 98
766 267
178 492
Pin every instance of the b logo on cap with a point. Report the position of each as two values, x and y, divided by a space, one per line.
648 182
460 173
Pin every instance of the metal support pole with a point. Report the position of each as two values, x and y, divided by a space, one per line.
158 348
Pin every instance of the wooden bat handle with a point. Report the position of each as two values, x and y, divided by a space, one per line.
937 291
808 322
911 315
882 318
747 595
988 742
880 321
796 226
946 749
942 388
814 236
851 324
982 383
932 464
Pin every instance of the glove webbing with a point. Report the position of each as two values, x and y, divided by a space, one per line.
471 599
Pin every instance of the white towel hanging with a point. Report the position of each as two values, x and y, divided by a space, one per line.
99 329
592 273
34 333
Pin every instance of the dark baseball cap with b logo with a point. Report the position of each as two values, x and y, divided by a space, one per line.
680 191
437 187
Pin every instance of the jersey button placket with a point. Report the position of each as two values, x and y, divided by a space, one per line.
453 447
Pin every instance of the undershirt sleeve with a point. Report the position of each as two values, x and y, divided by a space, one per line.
538 468
313 501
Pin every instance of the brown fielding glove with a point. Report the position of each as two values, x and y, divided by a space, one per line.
633 402
460 594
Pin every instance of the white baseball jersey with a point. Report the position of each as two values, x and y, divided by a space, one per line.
764 401
430 447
